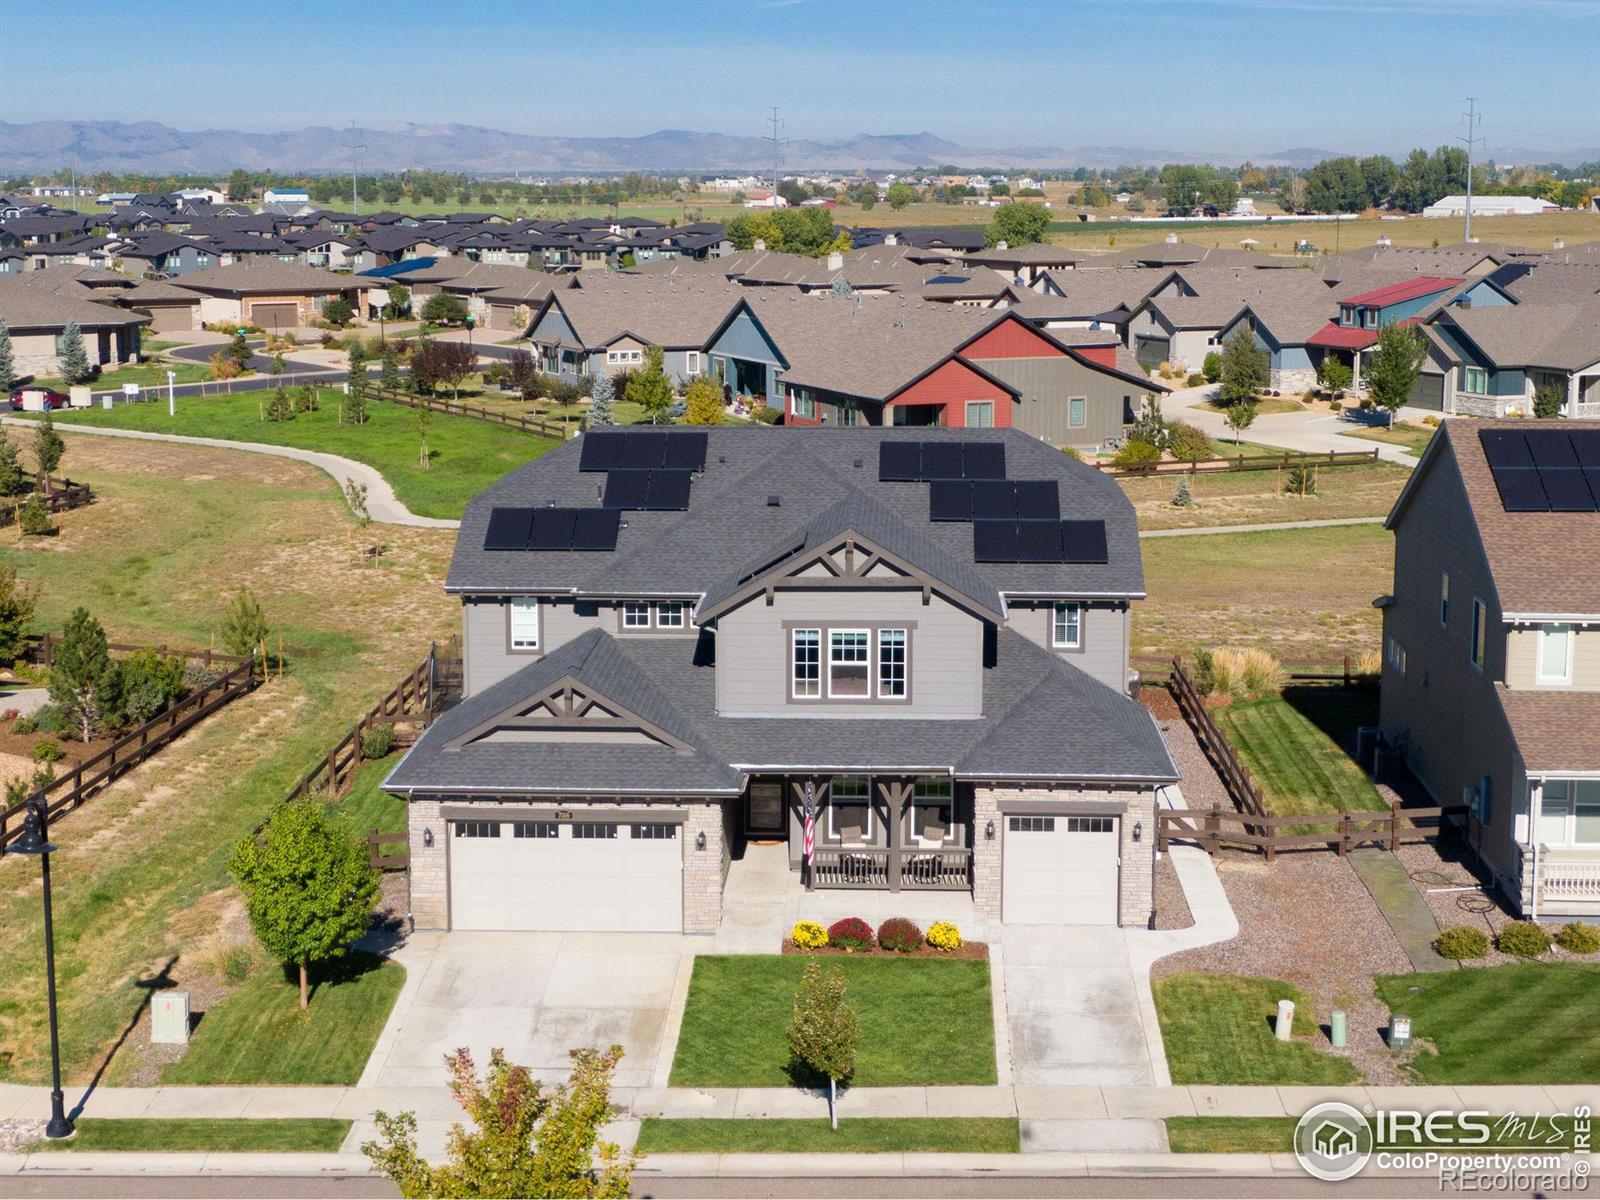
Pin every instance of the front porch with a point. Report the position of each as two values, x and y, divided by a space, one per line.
1566 881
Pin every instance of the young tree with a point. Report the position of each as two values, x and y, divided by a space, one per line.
1211 368
355 495
1394 365
703 402
441 308
244 625
649 388
527 1140
455 361
279 408
48 449
80 669
519 369
1018 224
33 518
1240 416
74 359
423 418
1244 368
356 377
17 604
1548 401
12 482
1335 376
338 312
389 376
8 363
826 1030
399 300
239 350
308 888
600 412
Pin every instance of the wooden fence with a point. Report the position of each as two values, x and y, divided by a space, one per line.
39 649
1157 668
60 496
1234 774
533 425
90 776
1245 462
1215 828
387 862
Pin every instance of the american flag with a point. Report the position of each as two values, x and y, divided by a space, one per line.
811 822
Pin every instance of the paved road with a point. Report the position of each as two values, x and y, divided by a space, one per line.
1311 432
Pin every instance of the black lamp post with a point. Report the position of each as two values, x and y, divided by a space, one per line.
34 841
471 321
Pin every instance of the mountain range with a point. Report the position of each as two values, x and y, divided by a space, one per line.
154 148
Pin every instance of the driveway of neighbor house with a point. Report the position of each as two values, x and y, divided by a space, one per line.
536 996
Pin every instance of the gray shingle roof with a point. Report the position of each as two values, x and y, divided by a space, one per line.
28 302
666 311
268 275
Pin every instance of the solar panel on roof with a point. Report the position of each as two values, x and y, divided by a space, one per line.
1038 541
1521 491
552 528
949 500
642 451
1567 490
993 499
602 450
1586 445
983 460
899 462
1551 449
596 529
1505 449
1083 541
508 529
686 451
942 460
994 541
1038 500
669 490
626 489
658 490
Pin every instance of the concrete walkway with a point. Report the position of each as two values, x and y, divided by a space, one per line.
1402 905
1265 527
1311 431
384 507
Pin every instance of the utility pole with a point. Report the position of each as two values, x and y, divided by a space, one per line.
1474 119
777 151
356 147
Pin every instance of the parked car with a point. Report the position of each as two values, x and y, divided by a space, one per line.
52 399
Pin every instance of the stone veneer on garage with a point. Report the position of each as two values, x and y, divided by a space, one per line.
1136 901
704 871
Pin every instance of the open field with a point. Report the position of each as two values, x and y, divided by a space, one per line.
1304 594
142 895
464 455
1258 497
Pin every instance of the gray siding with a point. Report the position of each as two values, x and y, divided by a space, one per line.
1104 650
1047 386
487 652
753 653
1522 660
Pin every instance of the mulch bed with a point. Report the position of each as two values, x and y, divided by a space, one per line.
967 950
72 750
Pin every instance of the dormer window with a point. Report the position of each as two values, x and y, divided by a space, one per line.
1347 315
1371 316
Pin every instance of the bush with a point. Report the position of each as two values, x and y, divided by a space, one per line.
235 962
444 309
1579 937
377 741
1525 939
942 935
852 933
1195 380
1072 453
808 935
47 750
1134 455
1212 367
765 414
34 518
142 685
1462 941
1246 673
898 933
1187 443
338 312
1204 675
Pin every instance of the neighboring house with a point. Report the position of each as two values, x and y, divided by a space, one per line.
1085 297
37 307
172 309
269 293
662 671
1496 358
167 254
1025 265
1364 315
1283 325
606 324
1491 674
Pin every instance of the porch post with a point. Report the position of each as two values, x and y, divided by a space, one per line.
895 792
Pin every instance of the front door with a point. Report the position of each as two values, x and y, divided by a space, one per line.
764 812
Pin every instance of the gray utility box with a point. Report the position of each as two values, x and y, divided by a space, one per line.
169 1018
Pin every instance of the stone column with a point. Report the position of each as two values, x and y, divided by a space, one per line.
427 875
1137 901
703 869
986 852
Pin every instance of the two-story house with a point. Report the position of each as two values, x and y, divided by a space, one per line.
1491 673
677 643
1363 315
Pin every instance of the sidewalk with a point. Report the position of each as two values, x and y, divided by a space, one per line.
1310 432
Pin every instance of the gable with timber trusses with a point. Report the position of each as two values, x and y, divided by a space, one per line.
568 711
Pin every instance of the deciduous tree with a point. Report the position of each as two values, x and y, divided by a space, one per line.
899 195
649 388
1393 366
1240 416
825 1032
703 402
1018 224
1244 368
18 602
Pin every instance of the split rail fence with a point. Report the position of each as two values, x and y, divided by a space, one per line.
1244 462
451 408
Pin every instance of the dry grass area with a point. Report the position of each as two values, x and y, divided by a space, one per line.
141 885
1306 594
1259 497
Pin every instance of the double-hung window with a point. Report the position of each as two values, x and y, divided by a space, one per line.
1066 626
524 623
691 362
892 682
1569 812
805 406
980 414
850 810
933 810
669 614
806 664
849 652
1555 654
1480 632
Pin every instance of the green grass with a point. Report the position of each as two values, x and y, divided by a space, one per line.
260 1035
465 455
1275 1135
1413 436
199 1135
146 375
1294 745
855 1135
365 808
1520 1023
923 1021
1217 1030
1266 406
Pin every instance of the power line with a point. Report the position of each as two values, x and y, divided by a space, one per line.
778 143
358 147
1474 119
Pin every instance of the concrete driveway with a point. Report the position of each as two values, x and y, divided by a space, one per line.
536 996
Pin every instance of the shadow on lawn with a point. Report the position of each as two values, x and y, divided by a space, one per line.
1336 711
160 981
349 968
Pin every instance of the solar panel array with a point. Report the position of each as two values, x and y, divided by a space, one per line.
658 491
1545 470
643 450
1039 541
923 462
994 500
552 529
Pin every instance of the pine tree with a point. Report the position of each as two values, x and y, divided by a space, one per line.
8 362
1183 498
74 359
600 412
12 482
79 669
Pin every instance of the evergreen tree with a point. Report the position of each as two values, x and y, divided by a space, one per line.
80 668
74 359
48 449
600 412
12 482
390 376
8 362
244 626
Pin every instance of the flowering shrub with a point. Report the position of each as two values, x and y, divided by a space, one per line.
942 935
852 933
897 933
808 935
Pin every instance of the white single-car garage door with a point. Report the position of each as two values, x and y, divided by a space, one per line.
566 875
1060 871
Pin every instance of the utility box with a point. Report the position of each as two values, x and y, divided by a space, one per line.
169 1018
80 396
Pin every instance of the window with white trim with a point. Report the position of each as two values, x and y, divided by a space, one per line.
805 406
806 660
849 654
1555 653
691 362
635 615
1444 601
892 676
1475 379
624 358
1077 412
669 614
1066 625
1480 633
1569 812
980 414
524 623
933 809
850 810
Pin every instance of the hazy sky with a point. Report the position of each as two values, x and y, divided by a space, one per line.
1243 76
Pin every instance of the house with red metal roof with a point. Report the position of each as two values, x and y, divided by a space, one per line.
1362 315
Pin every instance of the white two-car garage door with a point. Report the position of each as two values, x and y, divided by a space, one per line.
566 875
1060 871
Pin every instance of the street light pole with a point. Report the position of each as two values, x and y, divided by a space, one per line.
34 840
172 396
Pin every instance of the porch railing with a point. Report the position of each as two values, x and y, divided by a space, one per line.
1585 410
1568 880
906 868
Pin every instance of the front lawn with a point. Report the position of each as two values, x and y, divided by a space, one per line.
464 455
260 1035
1218 1030
1295 746
365 808
1520 1023
1266 406
202 1135
1410 434
923 1021
1275 1135
855 1135
146 375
